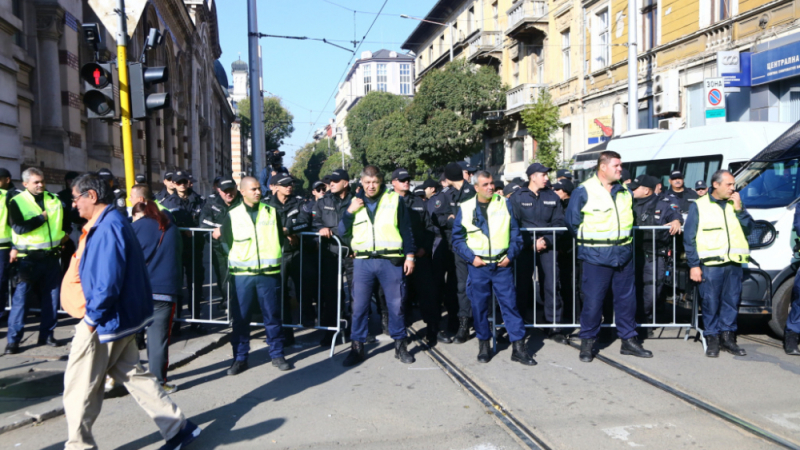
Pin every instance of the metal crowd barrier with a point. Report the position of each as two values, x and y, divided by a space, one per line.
692 323
207 283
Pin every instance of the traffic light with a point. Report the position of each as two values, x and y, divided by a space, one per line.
101 93
142 78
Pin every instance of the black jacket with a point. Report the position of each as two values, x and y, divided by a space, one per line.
542 210
652 211
421 226
185 211
683 200
328 212
292 216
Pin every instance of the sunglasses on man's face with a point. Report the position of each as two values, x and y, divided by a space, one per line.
182 182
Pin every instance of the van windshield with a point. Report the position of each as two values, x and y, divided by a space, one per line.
772 184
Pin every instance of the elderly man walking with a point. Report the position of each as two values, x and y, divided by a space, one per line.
107 286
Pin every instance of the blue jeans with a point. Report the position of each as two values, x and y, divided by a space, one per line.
266 291
721 291
44 277
596 282
365 273
481 281
793 321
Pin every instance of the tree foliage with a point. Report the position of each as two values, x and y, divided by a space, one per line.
388 141
278 121
373 107
334 162
542 120
309 161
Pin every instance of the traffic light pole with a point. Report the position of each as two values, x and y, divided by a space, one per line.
256 98
124 97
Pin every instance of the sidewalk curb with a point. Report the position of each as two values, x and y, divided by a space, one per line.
55 407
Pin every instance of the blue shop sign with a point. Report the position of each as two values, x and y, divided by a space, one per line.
776 64
742 78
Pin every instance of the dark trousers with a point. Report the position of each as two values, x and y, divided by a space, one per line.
549 306
193 271
481 282
444 277
462 273
721 291
265 290
5 268
596 283
645 281
298 287
330 279
366 272
422 288
793 320
570 294
42 276
158 334
224 277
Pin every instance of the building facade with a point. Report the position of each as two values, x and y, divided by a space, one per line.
45 123
241 160
385 71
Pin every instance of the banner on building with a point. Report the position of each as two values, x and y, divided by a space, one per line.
599 130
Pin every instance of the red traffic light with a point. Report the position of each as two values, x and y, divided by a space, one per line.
95 75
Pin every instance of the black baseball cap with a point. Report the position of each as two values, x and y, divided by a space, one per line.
509 188
564 185
465 165
419 191
700 184
430 184
4 173
180 175
168 175
339 175
105 174
284 180
536 167
676 175
318 184
563 173
140 178
216 180
400 174
226 183
326 179
498 184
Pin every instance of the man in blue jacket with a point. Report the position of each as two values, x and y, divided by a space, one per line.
112 288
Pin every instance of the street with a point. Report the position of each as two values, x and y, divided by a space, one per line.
447 400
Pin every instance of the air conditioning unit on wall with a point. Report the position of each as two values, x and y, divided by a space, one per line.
672 123
666 93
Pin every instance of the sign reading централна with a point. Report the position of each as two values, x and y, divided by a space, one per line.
775 64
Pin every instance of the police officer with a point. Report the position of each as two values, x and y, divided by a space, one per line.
431 188
467 170
169 187
7 192
566 249
715 240
215 189
701 188
678 194
38 225
185 209
444 268
563 188
486 235
380 229
650 210
535 206
212 215
600 216
563 174
791 333
252 233
327 214
119 194
510 188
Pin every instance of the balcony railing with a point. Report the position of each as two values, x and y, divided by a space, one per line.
526 11
521 96
483 41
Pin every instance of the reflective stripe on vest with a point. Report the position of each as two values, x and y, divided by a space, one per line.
607 221
160 206
5 229
256 248
720 238
490 248
48 235
381 237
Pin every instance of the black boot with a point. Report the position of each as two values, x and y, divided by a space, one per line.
712 346
356 355
444 338
520 353
556 335
729 344
11 349
50 341
281 364
587 350
484 351
633 347
385 323
790 339
401 352
237 367
463 330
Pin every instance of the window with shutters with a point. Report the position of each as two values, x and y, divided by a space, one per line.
367 79
565 53
382 77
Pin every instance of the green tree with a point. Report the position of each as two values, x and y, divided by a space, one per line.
542 119
278 121
446 115
388 141
373 107
334 162
310 160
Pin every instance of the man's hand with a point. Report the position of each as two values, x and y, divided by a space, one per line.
408 267
293 240
540 245
505 262
325 232
355 205
12 256
44 214
420 252
91 328
478 262
696 274
737 202
675 227
216 233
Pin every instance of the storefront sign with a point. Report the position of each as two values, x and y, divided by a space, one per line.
737 78
776 64
599 130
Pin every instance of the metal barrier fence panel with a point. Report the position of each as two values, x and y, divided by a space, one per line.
207 315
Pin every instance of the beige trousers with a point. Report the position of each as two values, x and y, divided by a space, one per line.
84 381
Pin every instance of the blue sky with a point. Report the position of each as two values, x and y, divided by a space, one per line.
305 73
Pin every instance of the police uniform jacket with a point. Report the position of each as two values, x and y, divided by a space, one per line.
421 226
680 200
451 201
542 210
214 213
654 211
185 211
292 216
327 213
162 194
119 202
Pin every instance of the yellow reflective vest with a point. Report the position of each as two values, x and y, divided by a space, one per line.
720 238
607 221
494 247
380 237
46 237
5 229
256 247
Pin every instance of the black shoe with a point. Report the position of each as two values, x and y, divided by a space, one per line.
520 353
281 364
558 336
49 341
385 323
356 355
587 350
401 352
140 343
790 339
484 351
370 339
633 347
288 337
431 336
462 335
327 339
712 346
729 344
237 367
11 349
444 338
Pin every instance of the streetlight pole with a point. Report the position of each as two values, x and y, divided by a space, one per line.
449 25
633 72
256 100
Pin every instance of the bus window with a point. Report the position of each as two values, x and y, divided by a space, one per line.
695 169
735 166
769 184
659 169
